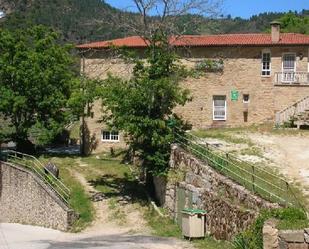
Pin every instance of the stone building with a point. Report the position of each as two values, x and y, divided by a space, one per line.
254 78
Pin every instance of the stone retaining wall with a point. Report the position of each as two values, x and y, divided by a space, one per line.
230 207
26 199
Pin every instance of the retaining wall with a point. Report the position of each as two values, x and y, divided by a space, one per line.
26 199
230 207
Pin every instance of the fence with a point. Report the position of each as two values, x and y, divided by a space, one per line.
257 179
33 164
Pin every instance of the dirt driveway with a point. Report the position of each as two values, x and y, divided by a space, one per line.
290 154
287 153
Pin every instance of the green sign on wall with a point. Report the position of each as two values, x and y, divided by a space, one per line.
234 95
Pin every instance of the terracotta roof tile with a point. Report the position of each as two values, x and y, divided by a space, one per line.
207 40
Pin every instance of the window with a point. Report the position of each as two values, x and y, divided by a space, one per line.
266 63
288 67
219 107
246 98
111 136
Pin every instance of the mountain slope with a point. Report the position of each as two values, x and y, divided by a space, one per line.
77 20
80 21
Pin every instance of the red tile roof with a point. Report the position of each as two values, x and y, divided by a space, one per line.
207 40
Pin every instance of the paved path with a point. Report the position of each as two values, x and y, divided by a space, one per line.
15 236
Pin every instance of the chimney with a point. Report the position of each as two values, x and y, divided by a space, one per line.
275 31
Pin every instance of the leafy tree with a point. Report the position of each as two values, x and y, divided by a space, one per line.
84 93
35 83
143 106
294 23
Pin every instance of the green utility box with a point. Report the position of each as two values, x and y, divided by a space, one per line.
193 223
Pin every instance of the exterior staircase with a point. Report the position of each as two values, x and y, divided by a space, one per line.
298 113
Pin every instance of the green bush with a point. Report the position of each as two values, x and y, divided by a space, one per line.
252 238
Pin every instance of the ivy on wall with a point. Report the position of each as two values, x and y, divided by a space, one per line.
210 65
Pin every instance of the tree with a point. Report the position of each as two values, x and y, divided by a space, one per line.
295 23
35 83
173 17
143 106
84 93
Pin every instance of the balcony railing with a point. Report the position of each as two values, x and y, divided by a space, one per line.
292 78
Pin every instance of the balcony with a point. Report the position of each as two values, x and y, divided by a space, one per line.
292 78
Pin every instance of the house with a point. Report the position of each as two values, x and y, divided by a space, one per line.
257 78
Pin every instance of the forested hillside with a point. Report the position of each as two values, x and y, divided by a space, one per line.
89 20
77 20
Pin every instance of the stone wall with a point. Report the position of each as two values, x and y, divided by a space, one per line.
93 133
26 199
242 72
230 207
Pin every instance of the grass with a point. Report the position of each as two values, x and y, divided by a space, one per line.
211 243
232 134
166 227
79 201
227 135
115 180
117 213
162 226
252 151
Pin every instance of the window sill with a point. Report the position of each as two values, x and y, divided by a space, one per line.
110 141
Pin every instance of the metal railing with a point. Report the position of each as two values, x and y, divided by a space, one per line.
291 111
291 78
33 164
256 179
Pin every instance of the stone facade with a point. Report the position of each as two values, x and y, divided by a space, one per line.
93 133
25 199
230 207
241 73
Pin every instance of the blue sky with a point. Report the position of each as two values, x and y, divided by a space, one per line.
243 8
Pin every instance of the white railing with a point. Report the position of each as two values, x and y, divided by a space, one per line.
292 78
288 113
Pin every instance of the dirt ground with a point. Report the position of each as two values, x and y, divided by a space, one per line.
287 153
131 223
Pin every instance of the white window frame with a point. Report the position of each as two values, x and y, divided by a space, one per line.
243 98
266 51
213 108
284 72
114 136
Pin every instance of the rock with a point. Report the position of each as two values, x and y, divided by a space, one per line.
270 235
98 197
51 168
